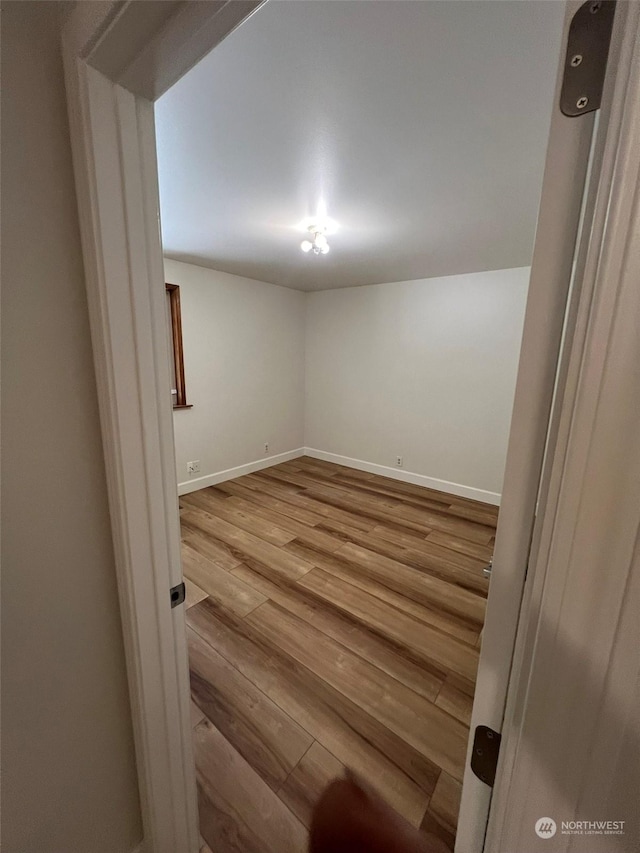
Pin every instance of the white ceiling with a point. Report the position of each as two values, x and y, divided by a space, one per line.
422 126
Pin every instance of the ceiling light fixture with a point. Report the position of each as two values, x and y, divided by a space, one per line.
318 243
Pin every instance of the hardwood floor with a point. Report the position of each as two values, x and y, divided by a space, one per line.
333 621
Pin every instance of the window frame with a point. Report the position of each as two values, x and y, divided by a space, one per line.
176 342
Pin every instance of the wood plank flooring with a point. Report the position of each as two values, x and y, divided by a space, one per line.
334 621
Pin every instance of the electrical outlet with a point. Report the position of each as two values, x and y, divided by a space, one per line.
399 461
193 467
266 447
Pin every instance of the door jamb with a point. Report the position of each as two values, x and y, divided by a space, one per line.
566 168
149 45
590 509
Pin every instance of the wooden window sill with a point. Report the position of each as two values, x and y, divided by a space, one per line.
184 406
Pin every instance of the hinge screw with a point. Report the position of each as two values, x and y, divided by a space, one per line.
595 7
582 102
576 60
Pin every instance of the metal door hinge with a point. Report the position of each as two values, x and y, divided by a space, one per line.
484 757
585 63
177 594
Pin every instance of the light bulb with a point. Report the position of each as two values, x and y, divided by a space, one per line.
324 249
321 241
306 246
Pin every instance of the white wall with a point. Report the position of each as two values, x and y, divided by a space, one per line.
69 780
421 369
244 365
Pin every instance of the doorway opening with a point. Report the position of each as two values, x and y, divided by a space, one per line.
341 451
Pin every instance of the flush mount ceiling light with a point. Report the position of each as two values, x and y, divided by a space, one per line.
317 242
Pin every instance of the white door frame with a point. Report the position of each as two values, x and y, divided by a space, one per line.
148 45
566 208
571 699
119 58
557 227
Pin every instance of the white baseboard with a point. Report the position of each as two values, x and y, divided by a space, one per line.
348 462
407 476
239 471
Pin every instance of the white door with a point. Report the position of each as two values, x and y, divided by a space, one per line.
547 319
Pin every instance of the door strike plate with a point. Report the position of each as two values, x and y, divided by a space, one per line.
484 757
177 594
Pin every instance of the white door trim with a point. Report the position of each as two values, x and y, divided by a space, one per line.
136 420
118 57
507 808
113 142
576 653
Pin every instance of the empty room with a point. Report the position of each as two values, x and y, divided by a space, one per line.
349 195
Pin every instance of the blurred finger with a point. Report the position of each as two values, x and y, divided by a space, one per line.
352 818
